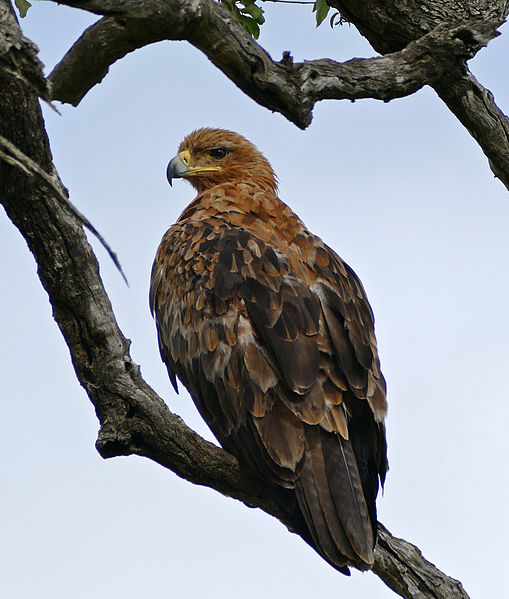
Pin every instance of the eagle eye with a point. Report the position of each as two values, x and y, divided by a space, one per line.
218 153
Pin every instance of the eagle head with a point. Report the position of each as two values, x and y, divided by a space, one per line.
209 157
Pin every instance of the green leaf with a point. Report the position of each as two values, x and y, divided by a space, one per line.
22 6
247 14
250 25
253 11
322 9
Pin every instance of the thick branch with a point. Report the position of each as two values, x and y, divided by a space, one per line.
395 564
286 87
391 25
18 55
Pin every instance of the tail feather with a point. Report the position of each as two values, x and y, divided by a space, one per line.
331 499
349 499
314 486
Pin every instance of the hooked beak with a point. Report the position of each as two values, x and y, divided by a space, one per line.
177 167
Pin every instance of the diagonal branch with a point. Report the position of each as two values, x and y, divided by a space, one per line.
286 87
403 569
475 108
390 26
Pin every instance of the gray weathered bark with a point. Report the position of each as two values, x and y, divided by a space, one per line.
134 420
286 87
391 25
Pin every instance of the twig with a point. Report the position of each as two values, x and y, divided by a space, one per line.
17 158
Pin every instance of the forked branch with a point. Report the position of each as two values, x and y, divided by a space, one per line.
437 58
286 87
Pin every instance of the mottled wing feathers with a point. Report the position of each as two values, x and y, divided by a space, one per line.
231 373
286 324
350 325
273 336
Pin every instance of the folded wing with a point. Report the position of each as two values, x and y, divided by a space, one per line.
279 354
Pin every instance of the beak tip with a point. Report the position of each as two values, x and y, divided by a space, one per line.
176 169
170 174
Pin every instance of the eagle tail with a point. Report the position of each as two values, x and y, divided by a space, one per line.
332 502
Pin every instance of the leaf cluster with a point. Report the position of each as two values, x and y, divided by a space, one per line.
247 13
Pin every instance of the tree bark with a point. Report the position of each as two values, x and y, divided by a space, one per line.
390 25
286 87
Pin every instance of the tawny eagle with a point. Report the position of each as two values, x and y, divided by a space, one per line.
272 335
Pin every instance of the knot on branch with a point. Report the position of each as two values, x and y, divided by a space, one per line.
470 36
287 59
116 435
112 442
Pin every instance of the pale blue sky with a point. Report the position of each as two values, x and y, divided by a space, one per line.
400 191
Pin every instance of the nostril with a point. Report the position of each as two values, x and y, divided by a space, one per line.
185 156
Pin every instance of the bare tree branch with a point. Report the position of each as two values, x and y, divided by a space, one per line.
18 55
475 108
395 561
436 58
286 87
